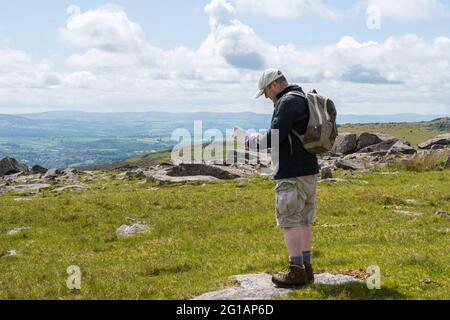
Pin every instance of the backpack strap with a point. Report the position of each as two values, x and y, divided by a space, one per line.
298 135
296 93
294 132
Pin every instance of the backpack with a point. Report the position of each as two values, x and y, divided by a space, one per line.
321 132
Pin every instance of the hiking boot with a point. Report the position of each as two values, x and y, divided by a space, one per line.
309 272
296 277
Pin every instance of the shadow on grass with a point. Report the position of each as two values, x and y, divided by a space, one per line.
356 291
156 270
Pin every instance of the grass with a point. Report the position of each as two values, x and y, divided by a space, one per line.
424 162
201 235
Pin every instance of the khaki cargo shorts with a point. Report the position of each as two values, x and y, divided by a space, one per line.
296 201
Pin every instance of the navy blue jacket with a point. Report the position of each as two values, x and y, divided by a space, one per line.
291 112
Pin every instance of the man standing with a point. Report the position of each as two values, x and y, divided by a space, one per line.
296 177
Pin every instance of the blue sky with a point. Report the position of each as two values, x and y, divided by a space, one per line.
207 55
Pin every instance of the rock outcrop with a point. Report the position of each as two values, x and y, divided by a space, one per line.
185 170
367 139
377 144
10 166
73 188
165 179
38 170
440 142
30 188
401 148
260 287
183 173
71 174
348 164
52 174
345 143
380 148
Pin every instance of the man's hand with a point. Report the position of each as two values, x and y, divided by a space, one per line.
252 139
247 144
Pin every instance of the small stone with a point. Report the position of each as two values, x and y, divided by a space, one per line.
342 225
17 230
326 173
388 173
23 199
127 230
407 213
139 173
153 189
164 179
442 213
334 180
73 188
10 253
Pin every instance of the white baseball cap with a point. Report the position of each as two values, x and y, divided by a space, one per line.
268 76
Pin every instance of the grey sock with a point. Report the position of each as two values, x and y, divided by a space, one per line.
307 256
298 260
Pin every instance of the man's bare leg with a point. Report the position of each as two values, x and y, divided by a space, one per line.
306 238
296 276
293 239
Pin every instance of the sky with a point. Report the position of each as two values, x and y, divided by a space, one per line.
369 56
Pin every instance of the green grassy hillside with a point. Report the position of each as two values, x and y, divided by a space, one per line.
200 235
203 234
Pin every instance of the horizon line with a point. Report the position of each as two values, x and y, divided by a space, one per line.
212 112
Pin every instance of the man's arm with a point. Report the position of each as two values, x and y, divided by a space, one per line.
285 117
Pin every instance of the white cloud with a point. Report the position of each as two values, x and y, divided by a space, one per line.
232 41
106 28
120 70
408 9
287 8
219 11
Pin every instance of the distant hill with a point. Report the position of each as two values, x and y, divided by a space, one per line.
394 118
83 124
415 133
67 139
